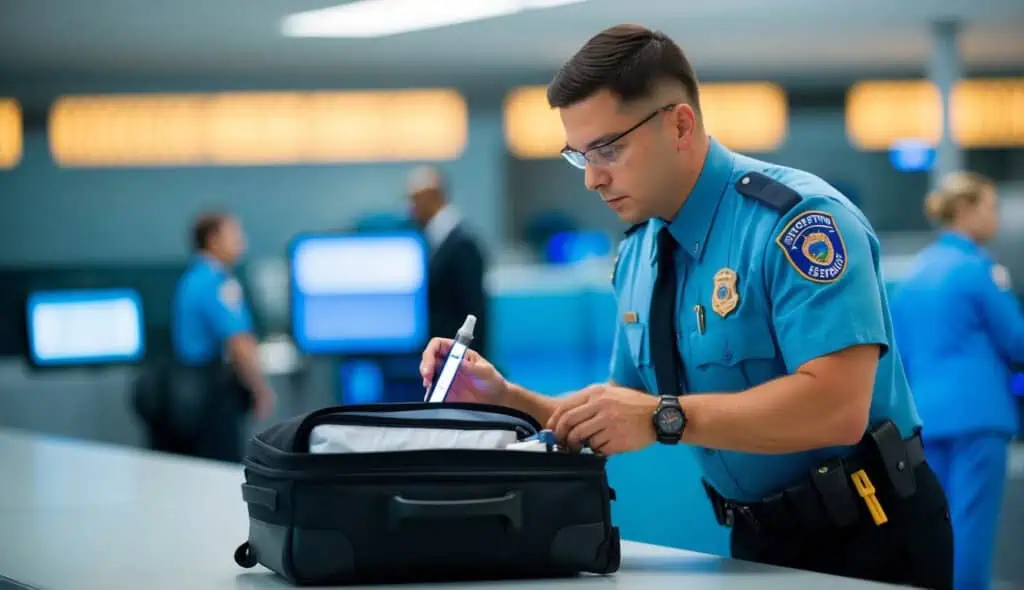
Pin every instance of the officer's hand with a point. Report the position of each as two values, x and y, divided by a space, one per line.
263 405
608 418
477 380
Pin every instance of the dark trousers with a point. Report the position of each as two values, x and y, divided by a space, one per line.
914 548
220 438
203 414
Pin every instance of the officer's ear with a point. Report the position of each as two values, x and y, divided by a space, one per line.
685 123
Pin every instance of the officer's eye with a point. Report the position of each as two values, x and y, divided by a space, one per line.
608 153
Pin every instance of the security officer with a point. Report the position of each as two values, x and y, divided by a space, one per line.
752 325
211 324
959 329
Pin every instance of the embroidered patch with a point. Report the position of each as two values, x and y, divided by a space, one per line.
1001 277
814 247
230 294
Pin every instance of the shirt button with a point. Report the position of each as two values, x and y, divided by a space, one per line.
745 180
727 355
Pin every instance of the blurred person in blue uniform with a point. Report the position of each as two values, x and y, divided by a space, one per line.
959 329
456 268
752 325
218 376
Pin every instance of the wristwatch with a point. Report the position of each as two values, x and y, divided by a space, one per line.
669 420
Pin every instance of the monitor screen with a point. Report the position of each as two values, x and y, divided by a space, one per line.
85 327
358 293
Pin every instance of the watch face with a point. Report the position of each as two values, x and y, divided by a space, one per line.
670 420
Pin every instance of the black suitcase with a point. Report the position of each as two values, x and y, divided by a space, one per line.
408 514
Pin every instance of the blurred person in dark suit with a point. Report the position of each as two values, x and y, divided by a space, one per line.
456 268
216 378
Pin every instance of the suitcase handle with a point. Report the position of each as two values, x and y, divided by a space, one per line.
509 506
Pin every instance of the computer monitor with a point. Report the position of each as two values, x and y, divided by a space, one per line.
85 327
358 293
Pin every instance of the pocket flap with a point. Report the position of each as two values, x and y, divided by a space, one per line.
732 343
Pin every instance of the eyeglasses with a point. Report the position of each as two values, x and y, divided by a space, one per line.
607 152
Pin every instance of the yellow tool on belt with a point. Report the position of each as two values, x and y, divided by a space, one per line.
867 491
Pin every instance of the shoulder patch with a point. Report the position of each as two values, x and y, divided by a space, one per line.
1001 277
814 247
230 294
767 190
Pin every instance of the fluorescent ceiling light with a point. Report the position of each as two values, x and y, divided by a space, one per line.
380 18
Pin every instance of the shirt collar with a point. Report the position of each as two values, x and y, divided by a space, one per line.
210 262
441 225
692 224
960 241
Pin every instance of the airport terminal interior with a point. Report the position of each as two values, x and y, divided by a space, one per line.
347 141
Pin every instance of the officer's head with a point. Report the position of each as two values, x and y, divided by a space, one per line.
426 194
629 104
219 235
966 202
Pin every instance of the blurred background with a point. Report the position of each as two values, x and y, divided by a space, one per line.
120 121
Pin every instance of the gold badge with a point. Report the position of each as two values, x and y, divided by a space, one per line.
630 317
725 298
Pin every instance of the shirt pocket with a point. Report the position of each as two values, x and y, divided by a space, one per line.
736 355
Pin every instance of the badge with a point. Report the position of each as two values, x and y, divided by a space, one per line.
1001 277
813 246
230 294
725 297
630 317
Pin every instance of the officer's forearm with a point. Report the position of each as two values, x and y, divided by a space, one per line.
794 413
245 356
541 407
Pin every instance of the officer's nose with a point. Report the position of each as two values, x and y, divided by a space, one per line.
595 177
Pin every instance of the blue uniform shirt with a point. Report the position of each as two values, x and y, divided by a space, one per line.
208 310
786 269
959 328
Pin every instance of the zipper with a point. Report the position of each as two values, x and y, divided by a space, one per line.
404 475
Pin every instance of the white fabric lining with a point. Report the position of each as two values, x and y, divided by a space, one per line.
334 438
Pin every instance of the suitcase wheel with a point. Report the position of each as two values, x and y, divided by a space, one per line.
245 556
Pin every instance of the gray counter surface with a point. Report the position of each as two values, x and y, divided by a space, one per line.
76 515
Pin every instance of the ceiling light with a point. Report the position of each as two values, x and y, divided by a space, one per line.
380 18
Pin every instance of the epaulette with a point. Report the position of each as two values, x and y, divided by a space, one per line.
769 191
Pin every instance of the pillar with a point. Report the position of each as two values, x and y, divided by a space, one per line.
944 70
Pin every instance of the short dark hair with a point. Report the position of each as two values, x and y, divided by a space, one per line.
205 226
628 60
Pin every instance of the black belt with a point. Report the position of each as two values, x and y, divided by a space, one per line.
828 498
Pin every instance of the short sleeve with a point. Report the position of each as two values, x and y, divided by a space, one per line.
224 307
622 371
823 282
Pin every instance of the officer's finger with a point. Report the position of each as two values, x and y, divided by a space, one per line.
565 404
584 431
601 442
436 348
573 417
478 370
